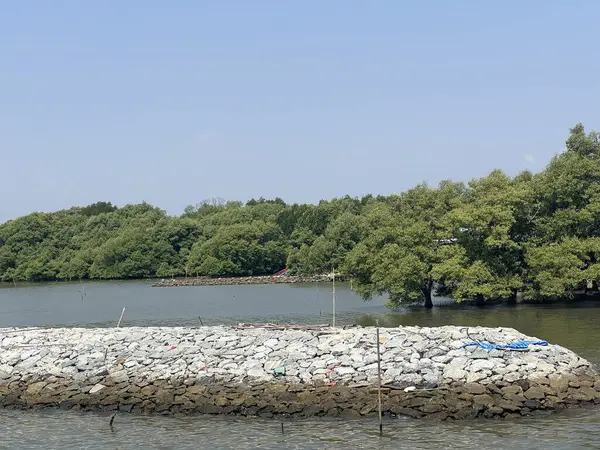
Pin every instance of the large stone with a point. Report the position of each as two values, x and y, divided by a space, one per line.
483 399
473 377
5 371
585 394
481 364
474 388
512 389
97 388
534 393
36 388
455 373
508 406
560 384
119 376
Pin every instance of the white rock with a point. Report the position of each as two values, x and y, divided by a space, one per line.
345 370
97 388
256 373
481 364
455 373
5 371
119 376
473 377
272 343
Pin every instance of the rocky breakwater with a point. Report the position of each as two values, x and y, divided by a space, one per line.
426 372
228 281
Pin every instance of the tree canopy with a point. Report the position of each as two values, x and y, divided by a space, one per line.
537 234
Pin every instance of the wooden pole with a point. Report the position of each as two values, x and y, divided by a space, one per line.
112 419
333 299
121 318
379 383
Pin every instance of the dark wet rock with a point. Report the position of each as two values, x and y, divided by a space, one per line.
474 388
534 393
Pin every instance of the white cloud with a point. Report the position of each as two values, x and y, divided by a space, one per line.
529 158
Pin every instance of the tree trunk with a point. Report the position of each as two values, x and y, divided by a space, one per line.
512 300
479 300
427 295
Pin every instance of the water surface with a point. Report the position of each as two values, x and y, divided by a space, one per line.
49 430
100 304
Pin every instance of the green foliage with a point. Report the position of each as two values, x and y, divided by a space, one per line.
403 243
487 261
253 248
538 234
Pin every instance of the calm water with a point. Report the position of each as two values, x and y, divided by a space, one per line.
575 327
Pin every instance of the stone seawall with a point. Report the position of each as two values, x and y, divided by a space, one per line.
227 281
221 370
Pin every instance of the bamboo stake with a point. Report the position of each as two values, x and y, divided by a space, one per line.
121 318
333 299
379 383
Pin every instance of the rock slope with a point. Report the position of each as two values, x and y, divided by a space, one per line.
426 371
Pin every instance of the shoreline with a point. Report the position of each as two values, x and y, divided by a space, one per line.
296 373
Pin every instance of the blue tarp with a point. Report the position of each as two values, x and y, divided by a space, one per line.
517 345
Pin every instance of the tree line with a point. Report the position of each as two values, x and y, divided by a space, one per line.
495 237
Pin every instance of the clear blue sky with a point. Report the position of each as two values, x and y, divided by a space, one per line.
175 102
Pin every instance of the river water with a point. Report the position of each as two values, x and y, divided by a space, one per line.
100 304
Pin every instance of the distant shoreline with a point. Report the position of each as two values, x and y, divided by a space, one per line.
229 281
181 281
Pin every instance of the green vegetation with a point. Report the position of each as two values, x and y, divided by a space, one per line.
495 237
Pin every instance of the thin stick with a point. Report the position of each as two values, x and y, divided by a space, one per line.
379 383
200 319
112 419
333 299
281 427
121 318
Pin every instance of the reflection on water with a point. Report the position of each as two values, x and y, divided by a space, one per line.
573 429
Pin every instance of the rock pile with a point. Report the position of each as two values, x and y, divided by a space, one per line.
295 372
